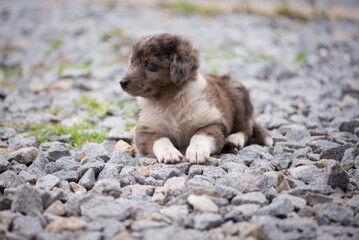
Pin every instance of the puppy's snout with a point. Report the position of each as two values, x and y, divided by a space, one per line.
124 83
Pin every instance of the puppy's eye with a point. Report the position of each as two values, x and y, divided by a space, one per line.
149 65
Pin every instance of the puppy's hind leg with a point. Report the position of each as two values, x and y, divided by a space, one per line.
235 140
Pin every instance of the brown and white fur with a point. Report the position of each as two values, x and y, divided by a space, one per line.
182 110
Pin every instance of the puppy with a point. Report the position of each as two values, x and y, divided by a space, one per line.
182 110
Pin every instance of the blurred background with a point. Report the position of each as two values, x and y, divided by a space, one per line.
60 61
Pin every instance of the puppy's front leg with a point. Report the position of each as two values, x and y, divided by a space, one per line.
152 144
206 141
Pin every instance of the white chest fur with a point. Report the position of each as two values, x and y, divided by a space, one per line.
180 118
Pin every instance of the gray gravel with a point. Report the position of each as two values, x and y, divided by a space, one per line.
303 78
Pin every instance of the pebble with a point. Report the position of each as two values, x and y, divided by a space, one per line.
65 224
57 208
121 145
201 203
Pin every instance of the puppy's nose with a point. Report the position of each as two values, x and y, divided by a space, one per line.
124 83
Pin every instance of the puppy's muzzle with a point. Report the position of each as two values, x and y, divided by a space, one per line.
124 83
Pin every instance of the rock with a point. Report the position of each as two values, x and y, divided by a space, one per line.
107 187
335 152
248 156
245 209
93 150
54 150
23 155
320 145
254 231
139 189
124 158
117 134
27 224
9 179
315 198
336 176
6 219
206 220
48 182
307 174
70 176
164 172
279 208
88 179
28 177
110 171
297 224
76 188
122 146
349 126
68 163
5 203
202 203
251 197
297 202
95 165
109 210
4 165
21 142
40 162
330 213
282 183
6 133
176 184
28 201
142 225
65 224
281 161
176 214
350 154
57 208
52 167
17 168
169 232
144 170
243 182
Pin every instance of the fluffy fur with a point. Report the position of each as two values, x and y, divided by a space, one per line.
182 110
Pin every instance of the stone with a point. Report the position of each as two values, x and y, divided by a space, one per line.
93 150
17 168
140 189
350 154
246 209
76 188
94 164
9 179
107 187
335 153
27 224
279 208
320 145
122 146
124 158
22 142
65 224
40 162
70 176
68 163
297 202
163 172
315 198
110 171
169 233
298 224
176 214
177 185
243 182
330 213
118 134
254 231
206 220
202 203
57 208
5 203
88 179
52 167
28 201
23 155
336 176
349 126
55 151
109 210
4 165
307 174
6 133
48 182
251 197
142 225
248 156
6 219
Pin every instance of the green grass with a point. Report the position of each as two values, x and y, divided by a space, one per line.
6 73
301 57
286 11
79 133
54 45
191 8
62 67
93 106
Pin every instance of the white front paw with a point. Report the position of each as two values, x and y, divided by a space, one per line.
169 155
197 153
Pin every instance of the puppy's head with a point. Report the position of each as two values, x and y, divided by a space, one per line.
158 63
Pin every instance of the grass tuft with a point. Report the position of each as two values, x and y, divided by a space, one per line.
94 107
191 8
301 57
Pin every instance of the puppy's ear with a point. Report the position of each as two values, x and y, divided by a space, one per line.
184 62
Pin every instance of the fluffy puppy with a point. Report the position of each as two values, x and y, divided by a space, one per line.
182 110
